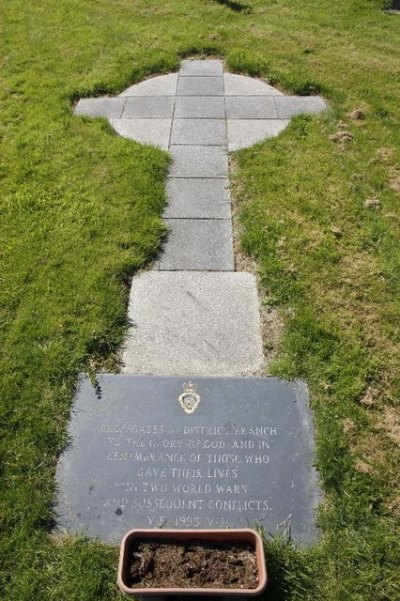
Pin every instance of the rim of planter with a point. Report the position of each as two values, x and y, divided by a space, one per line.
242 535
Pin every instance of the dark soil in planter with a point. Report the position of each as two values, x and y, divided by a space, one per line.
191 564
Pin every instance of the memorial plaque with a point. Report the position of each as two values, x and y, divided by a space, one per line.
152 452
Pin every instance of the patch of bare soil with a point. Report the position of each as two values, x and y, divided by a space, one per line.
191 564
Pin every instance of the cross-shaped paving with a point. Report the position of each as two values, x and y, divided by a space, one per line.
193 314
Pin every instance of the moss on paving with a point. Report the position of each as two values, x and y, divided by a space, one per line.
80 213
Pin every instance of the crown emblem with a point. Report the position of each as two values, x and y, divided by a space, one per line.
189 399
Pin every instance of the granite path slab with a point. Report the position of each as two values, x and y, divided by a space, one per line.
196 323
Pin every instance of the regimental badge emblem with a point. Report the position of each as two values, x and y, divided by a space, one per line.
189 399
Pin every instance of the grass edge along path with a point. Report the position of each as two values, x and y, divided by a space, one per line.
80 213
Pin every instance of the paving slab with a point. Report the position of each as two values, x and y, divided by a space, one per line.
199 132
290 106
147 131
161 85
139 457
200 198
148 107
250 107
198 245
193 107
100 107
245 133
200 86
211 68
241 85
188 323
199 161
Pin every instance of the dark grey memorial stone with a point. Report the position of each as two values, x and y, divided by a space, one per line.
149 452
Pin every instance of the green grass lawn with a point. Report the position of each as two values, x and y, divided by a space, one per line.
80 213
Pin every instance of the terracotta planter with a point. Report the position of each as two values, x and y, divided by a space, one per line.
245 535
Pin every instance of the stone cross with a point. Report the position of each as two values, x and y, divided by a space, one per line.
192 450
193 313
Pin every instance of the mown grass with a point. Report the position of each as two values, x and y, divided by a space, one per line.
80 213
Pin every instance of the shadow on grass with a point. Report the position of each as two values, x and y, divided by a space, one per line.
235 6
